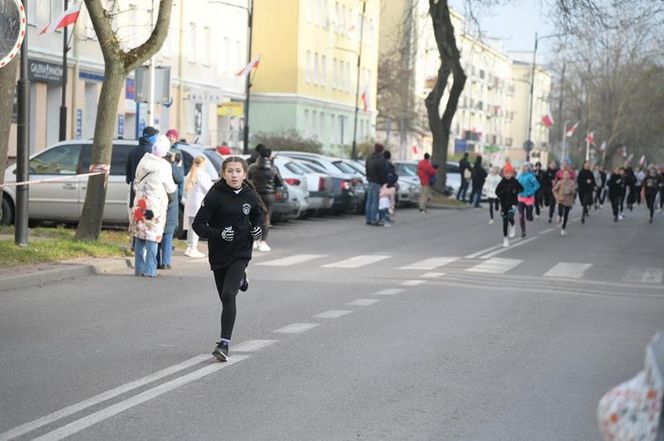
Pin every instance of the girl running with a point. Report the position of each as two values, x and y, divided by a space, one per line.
231 218
507 191
616 191
586 185
564 191
526 198
649 189
490 185
548 180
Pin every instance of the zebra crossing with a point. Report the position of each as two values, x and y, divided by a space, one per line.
436 266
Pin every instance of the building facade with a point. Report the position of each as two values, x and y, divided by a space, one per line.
308 76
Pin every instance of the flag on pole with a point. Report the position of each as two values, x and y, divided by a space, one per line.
67 18
571 130
246 70
414 149
642 160
547 120
629 158
603 146
590 138
624 151
365 97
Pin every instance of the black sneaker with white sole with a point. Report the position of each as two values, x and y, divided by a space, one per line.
221 351
244 283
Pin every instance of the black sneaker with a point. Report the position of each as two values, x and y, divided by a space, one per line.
244 283
523 235
583 220
221 351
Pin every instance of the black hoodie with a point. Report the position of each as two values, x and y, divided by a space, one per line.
616 185
221 208
507 192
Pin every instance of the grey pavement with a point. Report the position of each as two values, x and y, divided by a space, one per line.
440 334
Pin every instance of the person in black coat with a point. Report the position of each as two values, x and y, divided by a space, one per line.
265 178
546 188
231 219
464 165
255 154
539 175
616 187
136 154
478 179
630 184
586 184
376 171
649 188
507 191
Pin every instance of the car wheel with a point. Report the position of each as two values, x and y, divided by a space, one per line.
7 215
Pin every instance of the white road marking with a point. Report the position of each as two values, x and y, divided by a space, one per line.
363 302
357 261
486 250
413 282
495 265
292 260
644 275
571 270
389 292
430 263
332 314
432 275
503 250
548 230
74 408
252 345
108 412
296 328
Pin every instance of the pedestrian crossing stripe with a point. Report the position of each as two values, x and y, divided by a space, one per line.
571 270
357 261
495 265
643 275
292 260
430 263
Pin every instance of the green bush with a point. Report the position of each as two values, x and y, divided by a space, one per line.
288 140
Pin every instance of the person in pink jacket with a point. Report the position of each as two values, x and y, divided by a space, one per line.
426 172
386 202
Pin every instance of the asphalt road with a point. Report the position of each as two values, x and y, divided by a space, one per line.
427 330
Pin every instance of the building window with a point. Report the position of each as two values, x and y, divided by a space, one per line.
334 73
307 72
206 46
316 79
323 67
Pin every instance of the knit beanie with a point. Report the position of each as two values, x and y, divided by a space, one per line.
161 146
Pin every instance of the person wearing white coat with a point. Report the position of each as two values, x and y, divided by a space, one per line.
490 185
197 184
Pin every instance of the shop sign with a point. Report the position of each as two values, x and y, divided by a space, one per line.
233 108
43 72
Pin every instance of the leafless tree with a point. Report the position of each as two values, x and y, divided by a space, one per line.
118 64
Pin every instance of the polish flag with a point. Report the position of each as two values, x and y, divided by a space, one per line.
547 120
67 18
642 160
571 130
590 138
365 98
603 146
414 149
246 70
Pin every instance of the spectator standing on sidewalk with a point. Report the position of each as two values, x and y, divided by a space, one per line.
165 248
386 203
197 184
154 188
464 171
426 172
135 155
265 179
478 177
173 135
231 219
376 172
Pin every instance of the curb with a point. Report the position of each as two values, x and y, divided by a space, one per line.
65 271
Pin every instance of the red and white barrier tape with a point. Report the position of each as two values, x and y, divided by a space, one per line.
100 169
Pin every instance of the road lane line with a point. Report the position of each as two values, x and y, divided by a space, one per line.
643 275
389 292
292 260
85 422
432 275
495 265
570 270
505 249
74 408
252 345
487 250
296 328
357 261
413 283
430 263
332 314
548 230
363 302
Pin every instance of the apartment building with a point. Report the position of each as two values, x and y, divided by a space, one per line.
205 47
308 77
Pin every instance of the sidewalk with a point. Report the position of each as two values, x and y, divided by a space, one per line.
42 274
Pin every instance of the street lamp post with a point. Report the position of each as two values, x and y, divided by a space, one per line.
353 154
63 105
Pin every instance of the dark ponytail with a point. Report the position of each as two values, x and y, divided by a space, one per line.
260 200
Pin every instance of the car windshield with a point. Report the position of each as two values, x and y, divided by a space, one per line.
313 167
346 168
407 169
214 158
296 168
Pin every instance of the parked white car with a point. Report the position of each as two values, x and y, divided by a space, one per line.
295 182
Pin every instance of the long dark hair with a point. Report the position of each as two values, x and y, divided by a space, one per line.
246 181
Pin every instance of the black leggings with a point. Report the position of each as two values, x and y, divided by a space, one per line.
493 202
228 283
550 202
508 217
615 205
650 201
565 210
525 212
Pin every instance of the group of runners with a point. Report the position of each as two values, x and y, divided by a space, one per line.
534 190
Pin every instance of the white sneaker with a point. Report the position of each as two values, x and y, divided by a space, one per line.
491 222
263 246
563 232
512 232
621 217
255 246
506 242
195 254
187 252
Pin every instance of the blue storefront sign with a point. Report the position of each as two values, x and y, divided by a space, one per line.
130 89
121 125
460 145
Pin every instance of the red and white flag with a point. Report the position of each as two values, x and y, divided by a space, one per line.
414 149
547 120
590 138
571 130
246 70
642 160
365 98
603 146
67 18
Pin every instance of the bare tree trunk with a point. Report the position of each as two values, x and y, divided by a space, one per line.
450 64
7 90
118 64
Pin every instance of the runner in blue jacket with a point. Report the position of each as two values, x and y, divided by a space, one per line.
526 198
